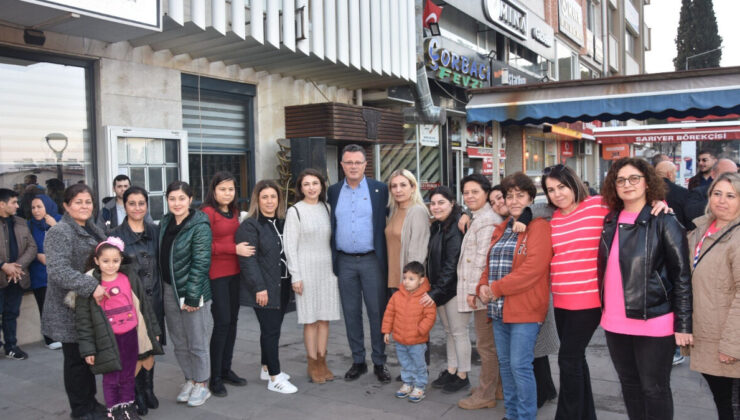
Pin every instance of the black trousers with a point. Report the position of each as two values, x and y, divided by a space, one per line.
271 321
643 365
79 382
543 378
575 329
723 389
40 295
225 310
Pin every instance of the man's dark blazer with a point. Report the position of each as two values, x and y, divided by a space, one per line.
696 203
379 201
677 198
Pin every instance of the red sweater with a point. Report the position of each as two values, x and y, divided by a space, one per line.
224 261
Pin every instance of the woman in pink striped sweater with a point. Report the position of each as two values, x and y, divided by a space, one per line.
576 229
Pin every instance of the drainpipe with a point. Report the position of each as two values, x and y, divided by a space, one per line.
428 113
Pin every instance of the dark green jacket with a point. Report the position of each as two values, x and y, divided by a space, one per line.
95 334
190 259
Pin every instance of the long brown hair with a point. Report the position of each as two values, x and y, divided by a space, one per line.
254 202
655 185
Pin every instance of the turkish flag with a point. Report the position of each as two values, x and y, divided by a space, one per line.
432 13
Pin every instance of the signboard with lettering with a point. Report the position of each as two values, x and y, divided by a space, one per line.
141 13
615 151
429 135
511 17
570 20
503 74
448 66
566 148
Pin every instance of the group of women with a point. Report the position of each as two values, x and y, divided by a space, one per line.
619 260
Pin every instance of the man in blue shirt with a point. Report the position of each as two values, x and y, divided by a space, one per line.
359 207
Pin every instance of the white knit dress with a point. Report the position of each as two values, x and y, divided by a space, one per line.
307 236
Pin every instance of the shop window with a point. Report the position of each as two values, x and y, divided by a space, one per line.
151 163
399 156
218 116
527 60
567 62
539 154
46 128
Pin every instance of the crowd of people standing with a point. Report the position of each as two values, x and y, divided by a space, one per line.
536 283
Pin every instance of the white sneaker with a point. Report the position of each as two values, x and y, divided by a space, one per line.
281 385
266 376
54 346
199 395
185 391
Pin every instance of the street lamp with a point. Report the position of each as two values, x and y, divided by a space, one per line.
57 142
700 54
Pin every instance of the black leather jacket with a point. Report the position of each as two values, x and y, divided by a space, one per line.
654 261
444 252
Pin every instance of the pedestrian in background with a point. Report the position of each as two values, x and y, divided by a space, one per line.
223 215
715 249
266 277
185 258
308 253
644 278
44 215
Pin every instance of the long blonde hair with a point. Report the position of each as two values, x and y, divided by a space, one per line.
415 196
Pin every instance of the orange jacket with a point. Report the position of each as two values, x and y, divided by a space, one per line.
407 319
527 288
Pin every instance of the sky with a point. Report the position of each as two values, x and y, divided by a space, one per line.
662 17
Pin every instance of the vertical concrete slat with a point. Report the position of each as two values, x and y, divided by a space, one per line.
385 30
343 32
402 46
176 11
376 29
317 27
330 30
289 24
238 20
395 38
256 22
198 13
366 50
304 45
218 16
272 34
411 31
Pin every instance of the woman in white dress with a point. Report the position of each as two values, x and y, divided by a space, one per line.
307 249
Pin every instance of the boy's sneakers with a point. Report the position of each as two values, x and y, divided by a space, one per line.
417 395
281 385
404 391
199 395
185 391
16 353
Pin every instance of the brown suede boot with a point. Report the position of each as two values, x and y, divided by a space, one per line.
325 372
475 402
314 371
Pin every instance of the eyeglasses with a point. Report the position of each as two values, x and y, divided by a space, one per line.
633 180
549 169
355 163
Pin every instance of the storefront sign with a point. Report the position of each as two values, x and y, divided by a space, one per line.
542 37
487 167
141 13
479 152
428 186
509 16
615 151
729 132
429 135
570 20
566 149
451 67
632 17
505 75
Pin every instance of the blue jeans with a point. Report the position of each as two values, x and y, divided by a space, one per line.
515 348
360 278
413 366
10 308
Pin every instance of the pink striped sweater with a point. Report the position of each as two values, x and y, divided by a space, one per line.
575 244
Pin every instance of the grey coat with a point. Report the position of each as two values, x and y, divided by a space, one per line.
67 246
547 340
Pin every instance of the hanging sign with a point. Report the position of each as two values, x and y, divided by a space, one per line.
566 148
451 67
429 135
615 151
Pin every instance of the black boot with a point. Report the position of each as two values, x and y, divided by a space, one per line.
140 396
151 399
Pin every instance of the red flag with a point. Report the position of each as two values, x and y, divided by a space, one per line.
432 12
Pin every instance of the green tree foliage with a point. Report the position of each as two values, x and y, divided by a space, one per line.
697 33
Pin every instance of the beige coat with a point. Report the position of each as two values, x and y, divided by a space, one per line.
716 289
473 255
414 236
